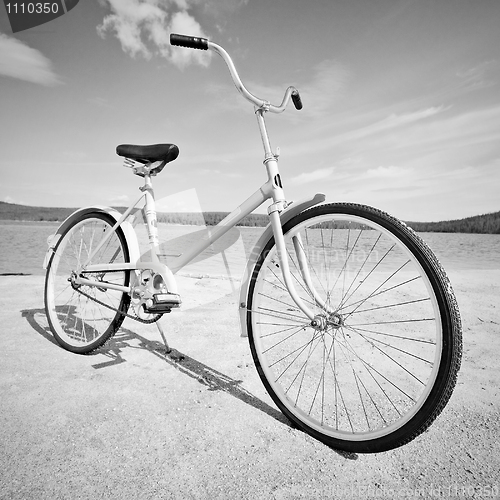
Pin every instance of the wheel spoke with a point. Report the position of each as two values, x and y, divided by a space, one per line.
365 366
76 313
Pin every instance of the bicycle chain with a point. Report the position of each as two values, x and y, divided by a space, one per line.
135 317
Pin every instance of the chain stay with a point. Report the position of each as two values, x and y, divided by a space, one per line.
135 317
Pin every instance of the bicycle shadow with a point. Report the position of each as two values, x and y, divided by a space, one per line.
211 378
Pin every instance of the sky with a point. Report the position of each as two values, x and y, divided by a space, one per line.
401 103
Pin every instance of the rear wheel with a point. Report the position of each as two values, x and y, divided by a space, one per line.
380 360
82 318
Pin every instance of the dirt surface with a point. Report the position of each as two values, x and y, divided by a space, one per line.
130 422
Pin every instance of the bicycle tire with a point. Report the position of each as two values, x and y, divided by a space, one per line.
78 323
382 361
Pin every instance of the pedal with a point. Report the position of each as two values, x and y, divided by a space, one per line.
162 303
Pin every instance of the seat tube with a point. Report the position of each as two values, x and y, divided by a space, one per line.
150 213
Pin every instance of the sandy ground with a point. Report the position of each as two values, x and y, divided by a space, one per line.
129 422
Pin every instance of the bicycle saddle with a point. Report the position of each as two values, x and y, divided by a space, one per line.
151 153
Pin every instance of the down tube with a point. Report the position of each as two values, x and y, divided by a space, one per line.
247 207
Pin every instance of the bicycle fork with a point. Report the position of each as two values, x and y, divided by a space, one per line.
279 203
303 269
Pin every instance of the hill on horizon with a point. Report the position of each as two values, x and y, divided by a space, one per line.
484 224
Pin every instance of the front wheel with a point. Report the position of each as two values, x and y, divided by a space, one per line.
379 361
82 317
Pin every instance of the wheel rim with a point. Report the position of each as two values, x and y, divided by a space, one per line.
77 319
368 365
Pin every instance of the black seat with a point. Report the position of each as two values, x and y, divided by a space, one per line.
153 152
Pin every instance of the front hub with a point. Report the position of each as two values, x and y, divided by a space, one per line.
336 320
324 321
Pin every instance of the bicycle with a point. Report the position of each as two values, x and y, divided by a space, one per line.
352 322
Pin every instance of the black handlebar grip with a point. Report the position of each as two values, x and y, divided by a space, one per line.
297 101
191 42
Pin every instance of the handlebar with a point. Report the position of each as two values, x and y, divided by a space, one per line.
190 42
193 42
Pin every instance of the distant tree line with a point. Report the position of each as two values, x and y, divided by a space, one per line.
12 211
486 224
210 218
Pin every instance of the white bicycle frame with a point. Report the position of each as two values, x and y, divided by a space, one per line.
279 212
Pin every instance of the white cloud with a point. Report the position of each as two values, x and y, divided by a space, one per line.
20 61
143 28
184 24
391 172
327 136
127 19
99 101
315 175
480 76
326 87
121 200
391 122
395 120
456 137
